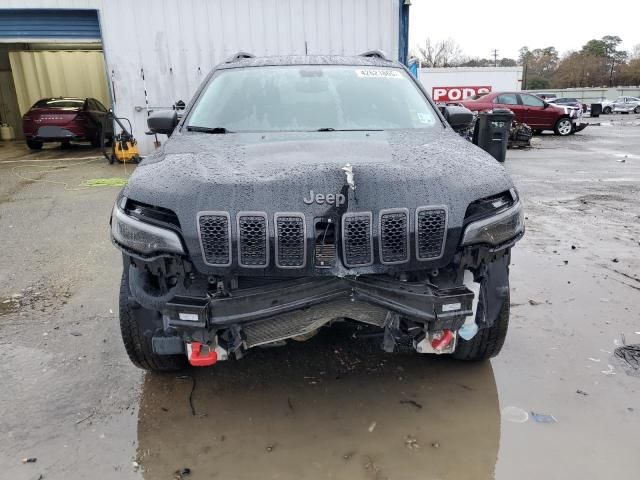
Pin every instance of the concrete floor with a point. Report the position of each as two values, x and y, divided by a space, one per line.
331 407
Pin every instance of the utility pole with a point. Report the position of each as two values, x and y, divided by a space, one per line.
495 57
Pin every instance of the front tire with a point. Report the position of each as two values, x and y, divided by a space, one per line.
137 326
34 145
607 110
563 127
96 141
636 110
487 342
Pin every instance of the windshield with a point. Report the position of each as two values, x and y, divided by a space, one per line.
309 98
59 103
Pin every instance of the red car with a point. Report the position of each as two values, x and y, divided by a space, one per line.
532 110
66 119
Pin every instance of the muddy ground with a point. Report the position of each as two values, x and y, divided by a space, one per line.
335 407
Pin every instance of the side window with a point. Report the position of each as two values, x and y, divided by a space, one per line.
531 101
99 106
507 99
90 105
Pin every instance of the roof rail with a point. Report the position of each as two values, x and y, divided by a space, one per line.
239 56
375 54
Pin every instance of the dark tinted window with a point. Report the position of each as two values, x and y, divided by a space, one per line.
507 99
99 106
58 103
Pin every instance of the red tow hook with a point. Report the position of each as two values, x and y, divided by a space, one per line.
443 342
196 359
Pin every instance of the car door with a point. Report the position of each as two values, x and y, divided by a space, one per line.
90 113
103 114
536 115
618 103
510 101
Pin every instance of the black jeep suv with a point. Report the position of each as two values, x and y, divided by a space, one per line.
299 191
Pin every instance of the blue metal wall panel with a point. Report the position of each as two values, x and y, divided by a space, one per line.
49 24
403 32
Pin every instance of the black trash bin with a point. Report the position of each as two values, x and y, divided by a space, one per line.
596 110
492 132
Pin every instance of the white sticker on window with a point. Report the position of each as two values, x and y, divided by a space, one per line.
378 73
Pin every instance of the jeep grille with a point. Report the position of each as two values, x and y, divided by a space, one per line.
357 241
215 238
394 236
290 240
252 239
431 226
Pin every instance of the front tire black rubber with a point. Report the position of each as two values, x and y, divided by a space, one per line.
488 341
606 110
96 141
137 326
34 145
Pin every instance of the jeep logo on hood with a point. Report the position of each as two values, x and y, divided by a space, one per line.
336 199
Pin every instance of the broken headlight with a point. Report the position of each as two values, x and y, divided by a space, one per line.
496 229
142 237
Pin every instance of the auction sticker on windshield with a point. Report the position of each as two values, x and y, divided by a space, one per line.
378 73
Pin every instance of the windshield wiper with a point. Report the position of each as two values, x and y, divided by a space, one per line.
331 129
208 129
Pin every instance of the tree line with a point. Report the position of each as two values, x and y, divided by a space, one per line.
599 63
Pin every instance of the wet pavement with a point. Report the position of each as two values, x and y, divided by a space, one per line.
335 406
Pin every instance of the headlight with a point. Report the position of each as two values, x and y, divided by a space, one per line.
497 229
142 237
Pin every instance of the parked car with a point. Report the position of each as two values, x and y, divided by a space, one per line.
572 102
626 105
65 120
621 105
301 190
545 95
535 112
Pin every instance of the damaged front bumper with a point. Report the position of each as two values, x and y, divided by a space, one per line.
417 301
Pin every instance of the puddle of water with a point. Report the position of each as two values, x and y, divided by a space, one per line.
327 408
7 305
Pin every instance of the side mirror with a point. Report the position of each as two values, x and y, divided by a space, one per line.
458 117
162 121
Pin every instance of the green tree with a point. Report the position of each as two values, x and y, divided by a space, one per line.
606 48
540 62
537 83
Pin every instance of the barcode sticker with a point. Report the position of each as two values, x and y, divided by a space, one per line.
378 73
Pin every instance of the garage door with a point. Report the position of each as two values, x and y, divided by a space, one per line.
16 24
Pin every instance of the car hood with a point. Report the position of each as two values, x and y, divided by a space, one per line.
274 172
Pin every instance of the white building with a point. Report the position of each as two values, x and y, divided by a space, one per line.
140 55
457 83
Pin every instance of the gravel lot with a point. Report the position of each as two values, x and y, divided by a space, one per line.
334 407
